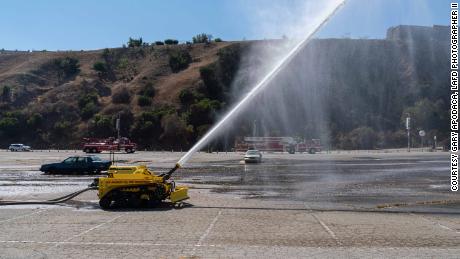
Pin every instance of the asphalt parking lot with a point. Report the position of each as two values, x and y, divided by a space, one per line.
290 206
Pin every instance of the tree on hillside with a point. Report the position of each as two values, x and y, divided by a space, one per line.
203 112
210 79
426 115
179 60
134 42
143 101
171 42
188 96
88 104
100 67
175 131
202 38
101 126
147 90
6 93
66 67
9 126
229 61
122 95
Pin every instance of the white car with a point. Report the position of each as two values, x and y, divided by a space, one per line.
18 147
253 156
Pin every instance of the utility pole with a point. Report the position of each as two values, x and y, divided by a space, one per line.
408 132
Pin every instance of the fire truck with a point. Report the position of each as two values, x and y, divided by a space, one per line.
93 145
278 144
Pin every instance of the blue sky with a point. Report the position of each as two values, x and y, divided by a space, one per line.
85 24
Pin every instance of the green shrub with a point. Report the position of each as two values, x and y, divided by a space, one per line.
67 66
144 101
88 104
100 67
203 112
148 90
425 114
88 111
147 127
106 53
229 61
101 126
9 126
123 63
87 98
363 138
211 82
202 38
186 96
218 40
121 96
175 131
159 43
134 42
179 60
171 42
61 126
6 93
35 120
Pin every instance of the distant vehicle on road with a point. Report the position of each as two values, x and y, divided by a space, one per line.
77 165
253 156
92 145
19 147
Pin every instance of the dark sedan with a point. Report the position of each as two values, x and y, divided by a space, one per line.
77 165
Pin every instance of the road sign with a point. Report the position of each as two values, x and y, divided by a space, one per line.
422 133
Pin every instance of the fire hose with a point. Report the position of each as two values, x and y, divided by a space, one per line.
52 201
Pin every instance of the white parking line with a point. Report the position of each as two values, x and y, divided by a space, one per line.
436 223
22 216
91 243
325 227
328 230
89 230
206 233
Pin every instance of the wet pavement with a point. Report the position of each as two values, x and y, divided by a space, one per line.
361 182
289 206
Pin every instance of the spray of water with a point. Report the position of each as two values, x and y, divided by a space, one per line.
318 24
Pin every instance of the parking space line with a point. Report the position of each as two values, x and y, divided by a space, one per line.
23 216
328 230
325 227
90 229
206 233
436 223
92 243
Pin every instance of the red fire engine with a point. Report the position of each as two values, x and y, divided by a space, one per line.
278 144
92 145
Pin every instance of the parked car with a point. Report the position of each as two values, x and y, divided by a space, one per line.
77 164
18 147
253 156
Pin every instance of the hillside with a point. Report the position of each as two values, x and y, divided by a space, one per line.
350 93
